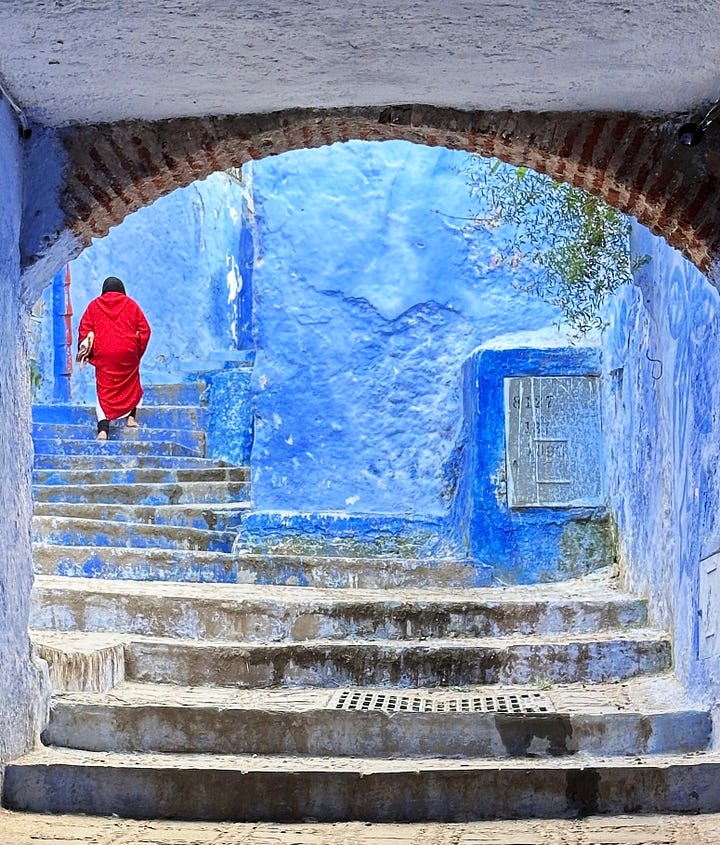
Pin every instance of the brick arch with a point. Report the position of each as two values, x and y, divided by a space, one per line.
633 162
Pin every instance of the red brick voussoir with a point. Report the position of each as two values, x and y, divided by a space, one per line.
634 162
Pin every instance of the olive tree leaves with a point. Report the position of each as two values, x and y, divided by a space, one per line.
578 243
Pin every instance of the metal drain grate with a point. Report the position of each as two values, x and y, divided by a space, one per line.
515 702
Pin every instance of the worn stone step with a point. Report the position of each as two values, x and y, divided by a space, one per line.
383 571
178 565
193 438
525 660
138 475
179 493
74 531
220 359
215 516
154 416
559 658
114 461
266 613
82 662
134 564
112 447
642 716
253 787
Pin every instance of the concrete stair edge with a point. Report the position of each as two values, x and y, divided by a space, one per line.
272 612
254 788
559 721
593 658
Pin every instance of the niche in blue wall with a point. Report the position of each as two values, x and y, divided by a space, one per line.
524 544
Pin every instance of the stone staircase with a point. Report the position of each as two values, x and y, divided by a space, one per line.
197 682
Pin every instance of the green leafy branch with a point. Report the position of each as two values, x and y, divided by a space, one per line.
578 242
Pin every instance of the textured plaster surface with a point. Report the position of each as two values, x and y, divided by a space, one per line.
230 418
44 241
662 394
73 62
179 258
21 702
368 296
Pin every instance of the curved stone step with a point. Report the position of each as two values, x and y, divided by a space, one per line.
193 438
382 572
181 492
82 662
183 393
250 612
645 716
135 564
112 447
559 658
178 565
73 531
253 788
138 475
216 516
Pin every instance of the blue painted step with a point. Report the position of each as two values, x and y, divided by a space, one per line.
148 564
73 531
185 393
135 564
192 438
112 447
115 461
187 492
215 516
219 360
154 416
135 475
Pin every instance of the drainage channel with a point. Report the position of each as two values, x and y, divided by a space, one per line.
515 702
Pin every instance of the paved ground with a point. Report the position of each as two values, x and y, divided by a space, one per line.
29 829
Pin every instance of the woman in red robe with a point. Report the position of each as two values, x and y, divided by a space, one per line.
113 337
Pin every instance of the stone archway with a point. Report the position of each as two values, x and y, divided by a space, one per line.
634 162
110 170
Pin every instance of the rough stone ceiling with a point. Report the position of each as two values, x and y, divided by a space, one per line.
78 61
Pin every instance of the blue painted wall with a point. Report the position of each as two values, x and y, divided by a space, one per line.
662 377
180 258
369 294
24 683
529 544
353 272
